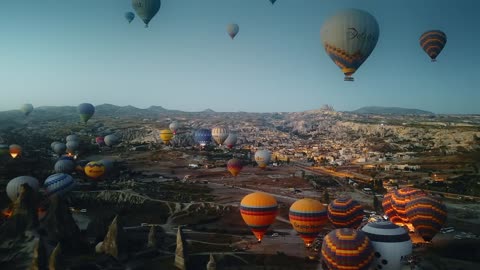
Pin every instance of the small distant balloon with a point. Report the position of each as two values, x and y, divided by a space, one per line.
86 111
166 135
129 16
232 30
26 109
15 150
146 9
111 140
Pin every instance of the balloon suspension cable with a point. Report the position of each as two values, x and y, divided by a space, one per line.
348 79
146 25
434 60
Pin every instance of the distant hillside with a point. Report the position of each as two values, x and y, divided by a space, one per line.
391 110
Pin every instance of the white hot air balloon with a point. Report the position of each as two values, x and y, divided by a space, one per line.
262 157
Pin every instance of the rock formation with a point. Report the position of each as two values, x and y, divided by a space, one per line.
60 225
152 238
24 214
115 242
180 251
211 265
55 261
39 256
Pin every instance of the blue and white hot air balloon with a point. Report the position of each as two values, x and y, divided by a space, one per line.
59 184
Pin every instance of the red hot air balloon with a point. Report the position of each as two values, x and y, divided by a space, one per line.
427 216
433 42
234 166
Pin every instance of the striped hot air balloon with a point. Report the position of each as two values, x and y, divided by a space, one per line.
347 249
344 212
259 211
427 215
390 243
219 134
433 42
388 209
94 169
166 135
59 184
234 166
307 217
401 197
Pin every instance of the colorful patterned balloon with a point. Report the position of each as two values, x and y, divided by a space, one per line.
203 136
427 216
234 166
346 248
259 211
388 209
307 217
433 42
344 212
401 197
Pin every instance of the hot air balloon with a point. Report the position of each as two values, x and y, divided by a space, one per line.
388 209
344 212
15 150
4 149
232 30
26 109
129 16
262 157
401 197
72 146
432 42
100 141
390 243
219 134
146 9
13 187
174 127
111 140
307 217
59 184
203 136
346 249
72 137
86 111
234 166
427 216
259 211
53 144
59 148
94 169
64 166
231 140
166 135
349 37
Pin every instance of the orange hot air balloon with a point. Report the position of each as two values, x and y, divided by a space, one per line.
259 211
307 217
94 169
15 150
234 166
401 197
427 215
166 135
388 209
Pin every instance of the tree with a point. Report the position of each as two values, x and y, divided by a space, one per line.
326 196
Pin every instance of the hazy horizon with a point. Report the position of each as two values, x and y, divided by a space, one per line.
63 53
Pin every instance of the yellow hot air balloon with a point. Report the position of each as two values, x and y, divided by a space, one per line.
166 135
259 211
94 169
307 217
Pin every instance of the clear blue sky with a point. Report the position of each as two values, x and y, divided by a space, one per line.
65 52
